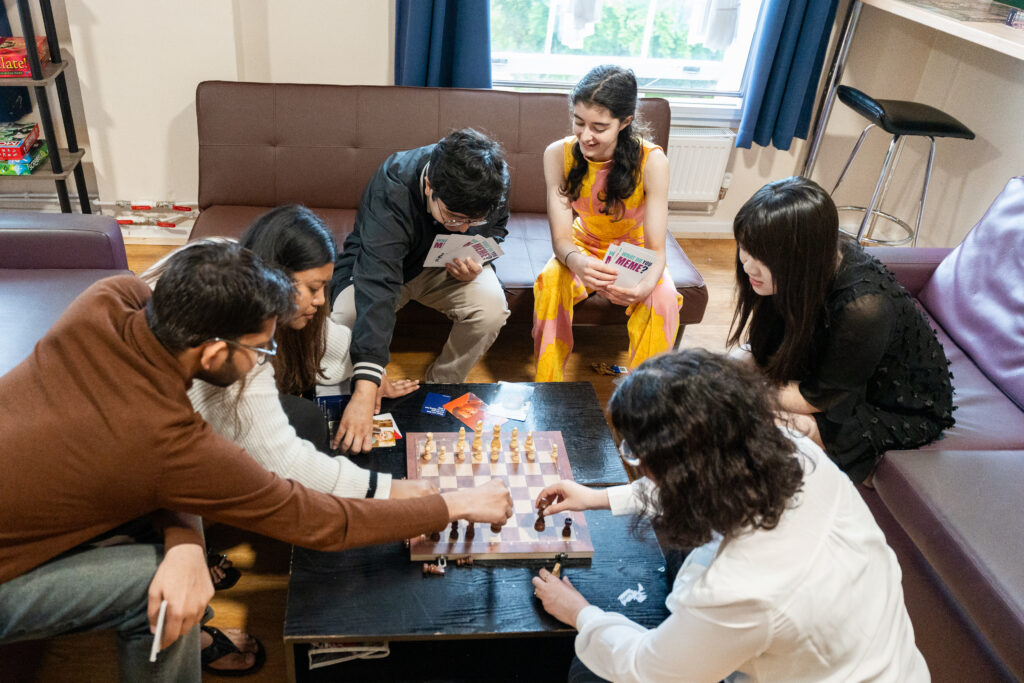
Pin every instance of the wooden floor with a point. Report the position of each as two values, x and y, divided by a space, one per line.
257 602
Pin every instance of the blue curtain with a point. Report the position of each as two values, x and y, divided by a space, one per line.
789 50
14 102
443 43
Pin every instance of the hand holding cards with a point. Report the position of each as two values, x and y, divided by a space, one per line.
447 248
631 261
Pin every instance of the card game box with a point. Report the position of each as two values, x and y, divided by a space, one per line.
16 140
14 59
24 166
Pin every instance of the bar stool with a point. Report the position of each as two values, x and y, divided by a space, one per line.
901 119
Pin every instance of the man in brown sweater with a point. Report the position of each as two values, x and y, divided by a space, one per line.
97 430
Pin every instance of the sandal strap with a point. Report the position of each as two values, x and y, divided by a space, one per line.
220 647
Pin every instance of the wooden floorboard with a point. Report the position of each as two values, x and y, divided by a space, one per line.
257 602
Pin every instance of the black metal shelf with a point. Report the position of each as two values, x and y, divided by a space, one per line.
64 162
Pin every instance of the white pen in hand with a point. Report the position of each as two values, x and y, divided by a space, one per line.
158 636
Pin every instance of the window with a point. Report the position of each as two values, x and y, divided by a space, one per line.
693 52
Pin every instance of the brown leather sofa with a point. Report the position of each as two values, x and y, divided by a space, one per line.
261 145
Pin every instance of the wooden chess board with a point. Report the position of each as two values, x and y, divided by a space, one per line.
517 540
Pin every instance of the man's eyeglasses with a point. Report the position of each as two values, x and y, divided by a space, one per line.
451 221
262 354
627 455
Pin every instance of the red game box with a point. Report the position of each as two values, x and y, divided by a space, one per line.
16 139
14 60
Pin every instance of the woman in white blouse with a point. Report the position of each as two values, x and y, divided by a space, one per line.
791 579
269 414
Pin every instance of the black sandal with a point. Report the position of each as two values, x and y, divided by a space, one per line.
231 575
221 647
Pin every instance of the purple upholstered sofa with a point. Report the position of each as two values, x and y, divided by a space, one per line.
954 510
46 260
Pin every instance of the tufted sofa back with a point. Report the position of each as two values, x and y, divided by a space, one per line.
263 144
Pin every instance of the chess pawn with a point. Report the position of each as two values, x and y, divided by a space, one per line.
441 455
530 452
554 452
428 448
567 529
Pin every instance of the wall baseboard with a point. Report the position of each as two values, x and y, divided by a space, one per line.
690 227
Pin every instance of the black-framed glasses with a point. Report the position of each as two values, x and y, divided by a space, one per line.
262 353
451 221
627 455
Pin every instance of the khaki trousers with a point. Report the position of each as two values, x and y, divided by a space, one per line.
477 309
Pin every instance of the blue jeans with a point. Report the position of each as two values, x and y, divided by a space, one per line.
579 673
92 590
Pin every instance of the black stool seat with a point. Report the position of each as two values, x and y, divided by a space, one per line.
899 117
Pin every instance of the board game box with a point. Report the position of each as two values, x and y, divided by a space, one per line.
518 539
14 59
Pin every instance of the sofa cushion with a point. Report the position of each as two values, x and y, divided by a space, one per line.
27 240
31 301
977 296
985 418
962 509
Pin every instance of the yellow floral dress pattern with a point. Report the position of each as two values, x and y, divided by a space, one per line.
653 323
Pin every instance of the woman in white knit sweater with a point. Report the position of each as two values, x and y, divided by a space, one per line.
262 413
791 578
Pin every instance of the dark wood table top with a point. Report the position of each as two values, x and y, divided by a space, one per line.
377 593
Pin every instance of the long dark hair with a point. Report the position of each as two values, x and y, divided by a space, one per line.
704 428
791 226
294 239
613 88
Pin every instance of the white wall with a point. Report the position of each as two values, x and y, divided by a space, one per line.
893 58
138 64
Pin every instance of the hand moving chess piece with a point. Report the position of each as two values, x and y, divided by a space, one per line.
539 525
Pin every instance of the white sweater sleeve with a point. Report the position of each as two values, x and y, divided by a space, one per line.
336 365
263 430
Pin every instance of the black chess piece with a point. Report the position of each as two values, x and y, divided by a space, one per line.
453 535
567 529
470 531
435 537
539 525
495 528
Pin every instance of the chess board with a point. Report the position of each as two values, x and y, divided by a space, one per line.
517 539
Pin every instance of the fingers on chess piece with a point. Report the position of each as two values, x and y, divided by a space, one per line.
556 571
567 529
453 535
540 524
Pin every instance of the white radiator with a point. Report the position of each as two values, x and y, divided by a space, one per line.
697 158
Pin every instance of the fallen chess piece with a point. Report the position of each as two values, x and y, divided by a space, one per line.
464 562
434 569
605 369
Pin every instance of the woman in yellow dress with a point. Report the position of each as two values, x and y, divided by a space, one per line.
606 185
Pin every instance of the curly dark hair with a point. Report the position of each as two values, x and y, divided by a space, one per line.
614 88
704 428
468 173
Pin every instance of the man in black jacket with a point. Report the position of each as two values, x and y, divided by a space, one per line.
458 185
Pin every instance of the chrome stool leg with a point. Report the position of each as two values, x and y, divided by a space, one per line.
853 154
882 181
924 188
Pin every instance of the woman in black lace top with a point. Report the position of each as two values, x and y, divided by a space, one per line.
857 365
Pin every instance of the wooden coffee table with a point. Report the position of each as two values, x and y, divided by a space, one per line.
479 622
